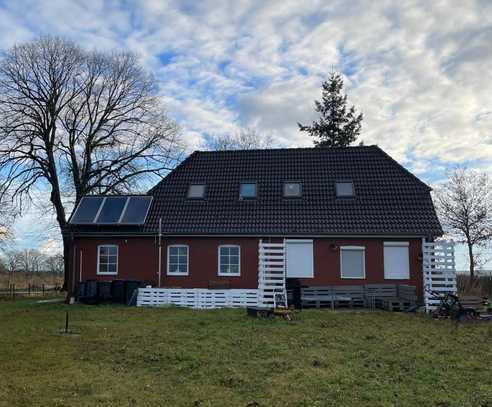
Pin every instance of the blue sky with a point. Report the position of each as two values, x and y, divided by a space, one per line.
420 71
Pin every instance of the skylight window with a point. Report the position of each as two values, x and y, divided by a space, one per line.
292 189
344 189
196 191
247 190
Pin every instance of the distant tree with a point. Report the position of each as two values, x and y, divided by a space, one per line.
337 126
54 263
13 263
76 122
464 205
245 139
7 215
3 266
30 260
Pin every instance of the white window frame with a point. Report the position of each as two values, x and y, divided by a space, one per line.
169 273
354 248
103 273
294 241
396 244
219 264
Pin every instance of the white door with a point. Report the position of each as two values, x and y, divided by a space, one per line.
299 259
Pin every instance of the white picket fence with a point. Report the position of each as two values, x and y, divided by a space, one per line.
271 273
439 270
200 298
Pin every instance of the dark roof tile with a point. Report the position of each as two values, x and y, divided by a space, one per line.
389 200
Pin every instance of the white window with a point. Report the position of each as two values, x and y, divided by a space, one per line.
196 191
352 262
247 190
229 260
292 189
299 258
344 189
107 259
396 261
177 260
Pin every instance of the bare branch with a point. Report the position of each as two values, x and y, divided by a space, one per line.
245 139
79 122
464 204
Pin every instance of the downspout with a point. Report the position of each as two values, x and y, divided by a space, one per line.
160 251
80 266
71 299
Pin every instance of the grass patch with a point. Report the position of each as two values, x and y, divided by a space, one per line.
145 357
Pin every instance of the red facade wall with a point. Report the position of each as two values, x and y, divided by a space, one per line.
138 260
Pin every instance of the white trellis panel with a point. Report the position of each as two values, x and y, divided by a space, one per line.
271 273
200 298
439 270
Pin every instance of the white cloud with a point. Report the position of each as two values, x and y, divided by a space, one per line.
419 70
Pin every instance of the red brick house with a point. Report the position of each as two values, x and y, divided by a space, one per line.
348 216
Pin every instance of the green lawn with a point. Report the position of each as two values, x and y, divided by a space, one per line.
147 357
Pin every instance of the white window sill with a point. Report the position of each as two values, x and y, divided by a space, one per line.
178 274
107 274
228 275
353 278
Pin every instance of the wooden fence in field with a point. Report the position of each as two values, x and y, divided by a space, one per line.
439 271
14 291
200 298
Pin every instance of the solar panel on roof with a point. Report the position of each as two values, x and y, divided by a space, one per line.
86 210
111 209
136 209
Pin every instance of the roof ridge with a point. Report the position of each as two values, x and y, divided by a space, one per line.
371 146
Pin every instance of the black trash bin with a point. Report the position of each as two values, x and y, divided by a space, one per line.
104 291
118 291
81 291
90 292
130 292
91 288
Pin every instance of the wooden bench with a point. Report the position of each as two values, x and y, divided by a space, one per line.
324 297
376 293
472 301
395 304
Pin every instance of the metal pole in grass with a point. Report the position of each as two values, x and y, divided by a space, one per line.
66 322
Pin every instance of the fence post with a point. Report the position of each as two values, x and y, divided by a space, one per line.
13 292
43 289
29 290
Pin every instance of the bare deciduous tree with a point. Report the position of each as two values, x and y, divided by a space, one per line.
464 204
74 122
7 215
12 262
245 139
54 264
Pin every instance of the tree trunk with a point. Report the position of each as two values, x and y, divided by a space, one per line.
66 253
472 262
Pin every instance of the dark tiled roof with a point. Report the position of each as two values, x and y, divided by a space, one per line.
389 200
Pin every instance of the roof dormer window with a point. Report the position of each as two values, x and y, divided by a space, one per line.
345 189
292 189
247 190
196 191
